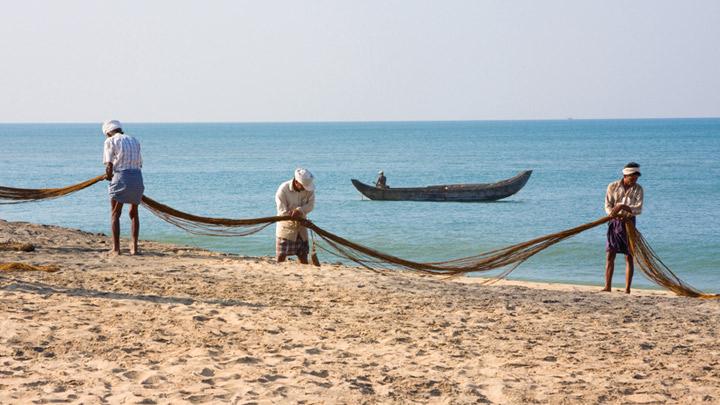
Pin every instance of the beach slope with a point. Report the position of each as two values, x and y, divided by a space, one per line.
181 324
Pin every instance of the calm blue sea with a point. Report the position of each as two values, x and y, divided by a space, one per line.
233 170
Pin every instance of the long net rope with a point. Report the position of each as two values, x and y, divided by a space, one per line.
505 259
10 195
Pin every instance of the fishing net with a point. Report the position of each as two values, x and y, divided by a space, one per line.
10 195
16 246
654 268
208 226
16 266
505 259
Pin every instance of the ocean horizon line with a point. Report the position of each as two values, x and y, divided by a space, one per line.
369 121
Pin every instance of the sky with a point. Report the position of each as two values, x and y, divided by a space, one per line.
361 60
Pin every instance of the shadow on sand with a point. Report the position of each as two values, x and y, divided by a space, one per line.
45 289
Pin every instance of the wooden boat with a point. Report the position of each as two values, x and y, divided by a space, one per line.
450 192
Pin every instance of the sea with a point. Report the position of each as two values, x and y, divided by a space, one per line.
232 170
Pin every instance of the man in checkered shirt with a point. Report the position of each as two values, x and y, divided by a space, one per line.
123 164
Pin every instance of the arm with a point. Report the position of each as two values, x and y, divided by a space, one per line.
108 154
281 202
611 208
635 208
609 203
632 210
139 155
309 205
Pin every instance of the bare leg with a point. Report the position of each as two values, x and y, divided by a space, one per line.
303 258
281 258
135 228
115 212
609 270
629 270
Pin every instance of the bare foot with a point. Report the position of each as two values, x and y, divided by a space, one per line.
135 252
112 253
606 290
627 291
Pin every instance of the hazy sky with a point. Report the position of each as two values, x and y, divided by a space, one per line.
170 60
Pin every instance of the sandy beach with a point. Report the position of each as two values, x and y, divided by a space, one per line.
184 325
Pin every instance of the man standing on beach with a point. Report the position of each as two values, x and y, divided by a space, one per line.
296 198
123 164
623 202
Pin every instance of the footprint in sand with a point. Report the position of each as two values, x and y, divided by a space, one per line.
270 378
131 375
320 374
247 360
207 372
152 381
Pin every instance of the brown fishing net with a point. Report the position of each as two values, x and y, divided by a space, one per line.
16 246
504 259
208 226
9 195
654 268
16 266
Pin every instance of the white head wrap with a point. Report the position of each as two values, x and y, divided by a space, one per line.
111 125
631 170
304 177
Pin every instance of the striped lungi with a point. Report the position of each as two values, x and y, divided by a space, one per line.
617 240
127 186
297 247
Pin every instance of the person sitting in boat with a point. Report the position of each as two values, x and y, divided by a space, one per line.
381 180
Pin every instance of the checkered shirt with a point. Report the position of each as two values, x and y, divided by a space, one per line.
123 151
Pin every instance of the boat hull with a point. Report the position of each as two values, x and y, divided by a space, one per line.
451 192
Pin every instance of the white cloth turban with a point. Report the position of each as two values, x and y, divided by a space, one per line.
304 177
631 170
111 125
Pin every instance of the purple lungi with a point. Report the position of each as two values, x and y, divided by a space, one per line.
617 240
297 247
127 186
